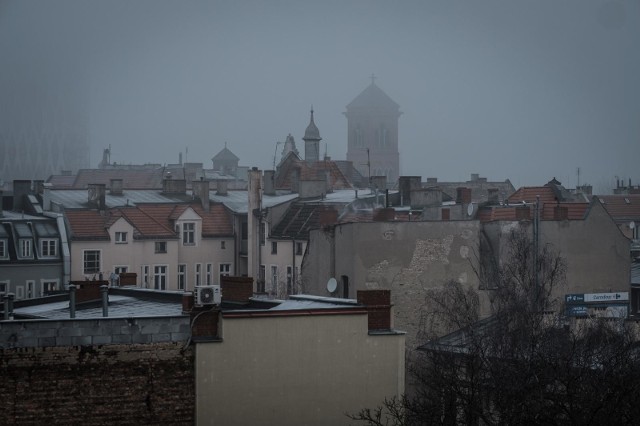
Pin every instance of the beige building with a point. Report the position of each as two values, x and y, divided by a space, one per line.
167 246
308 361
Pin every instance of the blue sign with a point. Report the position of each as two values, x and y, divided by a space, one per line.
574 298
576 311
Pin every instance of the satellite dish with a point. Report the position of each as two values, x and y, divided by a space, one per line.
632 225
470 209
332 285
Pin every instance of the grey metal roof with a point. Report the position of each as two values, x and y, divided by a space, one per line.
119 306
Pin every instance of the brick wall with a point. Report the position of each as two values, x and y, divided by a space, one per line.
378 305
98 385
236 289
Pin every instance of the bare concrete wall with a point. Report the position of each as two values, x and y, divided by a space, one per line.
296 370
408 258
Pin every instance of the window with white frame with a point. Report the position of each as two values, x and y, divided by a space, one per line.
144 281
274 247
160 277
49 247
224 269
274 278
182 276
31 289
289 279
120 269
26 248
198 274
161 247
189 233
4 253
121 238
298 248
4 287
49 286
209 274
19 292
91 261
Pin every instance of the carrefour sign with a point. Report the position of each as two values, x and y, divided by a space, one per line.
597 297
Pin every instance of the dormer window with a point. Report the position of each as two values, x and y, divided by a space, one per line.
49 247
4 253
121 238
25 248
189 233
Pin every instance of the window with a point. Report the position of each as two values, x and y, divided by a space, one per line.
289 279
120 269
121 238
209 274
31 289
161 246
261 279
225 269
223 245
182 277
298 249
160 277
189 233
274 247
91 261
263 232
3 249
345 286
49 286
25 248
198 274
49 248
145 276
19 292
4 285
274 278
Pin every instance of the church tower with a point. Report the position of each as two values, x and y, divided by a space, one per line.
372 140
312 142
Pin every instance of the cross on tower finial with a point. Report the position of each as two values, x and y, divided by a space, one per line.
373 78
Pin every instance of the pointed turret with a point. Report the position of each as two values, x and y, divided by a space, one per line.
312 142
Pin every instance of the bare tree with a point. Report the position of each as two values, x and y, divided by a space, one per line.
521 364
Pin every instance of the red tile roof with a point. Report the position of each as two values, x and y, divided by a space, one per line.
622 208
148 220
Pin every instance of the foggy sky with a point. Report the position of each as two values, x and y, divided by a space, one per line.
525 90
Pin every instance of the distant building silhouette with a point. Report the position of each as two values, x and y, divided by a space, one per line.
372 142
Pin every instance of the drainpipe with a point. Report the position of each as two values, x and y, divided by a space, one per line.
293 262
72 300
64 246
105 300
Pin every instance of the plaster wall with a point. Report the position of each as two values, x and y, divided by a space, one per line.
294 370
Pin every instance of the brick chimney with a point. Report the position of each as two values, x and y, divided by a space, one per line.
463 195
493 196
378 305
236 289
96 196
174 186
21 188
269 182
200 190
221 187
328 217
115 186
384 215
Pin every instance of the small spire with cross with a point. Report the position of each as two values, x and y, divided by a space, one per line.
373 78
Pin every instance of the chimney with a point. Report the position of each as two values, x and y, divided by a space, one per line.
21 188
38 187
407 184
378 305
187 302
200 190
328 217
493 196
475 177
463 195
115 186
221 187
236 289
174 186
46 196
432 180
96 196
384 215
269 182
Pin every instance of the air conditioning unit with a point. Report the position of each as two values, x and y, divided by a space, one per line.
208 295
